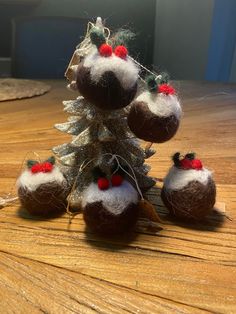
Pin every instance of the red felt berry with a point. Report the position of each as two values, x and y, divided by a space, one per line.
105 50
121 52
186 164
166 89
191 164
196 164
116 180
46 167
36 168
103 183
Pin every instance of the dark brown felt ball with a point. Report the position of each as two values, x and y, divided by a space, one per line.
150 127
47 199
193 202
111 211
102 221
108 93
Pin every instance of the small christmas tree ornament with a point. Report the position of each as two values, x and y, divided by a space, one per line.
155 114
110 205
42 188
107 78
189 191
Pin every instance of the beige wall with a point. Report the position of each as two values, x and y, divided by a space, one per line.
182 34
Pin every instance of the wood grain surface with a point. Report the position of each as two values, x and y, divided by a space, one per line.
49 266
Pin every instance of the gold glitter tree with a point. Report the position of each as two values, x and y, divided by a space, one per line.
96 132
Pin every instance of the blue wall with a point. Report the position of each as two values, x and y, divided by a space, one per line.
223 41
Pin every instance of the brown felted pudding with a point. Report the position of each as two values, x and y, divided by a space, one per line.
42 188
108 93
101 221
47 199
150 127
189 191
194 202
110 206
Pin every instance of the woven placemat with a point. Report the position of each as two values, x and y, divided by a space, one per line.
17 88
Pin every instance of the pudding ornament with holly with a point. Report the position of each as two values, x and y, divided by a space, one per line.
189 191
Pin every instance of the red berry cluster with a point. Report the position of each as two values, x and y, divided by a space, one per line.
42 167
191 164
104 183
166 89
106 50
188 162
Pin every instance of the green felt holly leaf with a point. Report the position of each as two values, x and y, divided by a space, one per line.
163 78
97 37
30 163
190 156
175 159
52 160
151 82
98 173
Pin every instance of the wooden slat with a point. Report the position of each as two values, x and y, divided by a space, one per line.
39 287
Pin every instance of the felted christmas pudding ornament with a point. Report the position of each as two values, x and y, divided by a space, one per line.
155 114
42 188
107 77
110 205
189 191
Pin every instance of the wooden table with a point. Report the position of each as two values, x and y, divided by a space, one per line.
46 267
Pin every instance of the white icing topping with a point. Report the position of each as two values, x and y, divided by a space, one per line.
125 71
32 181
115 199
179 178
160 104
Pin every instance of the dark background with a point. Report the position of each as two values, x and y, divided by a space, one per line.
190 39
137 15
